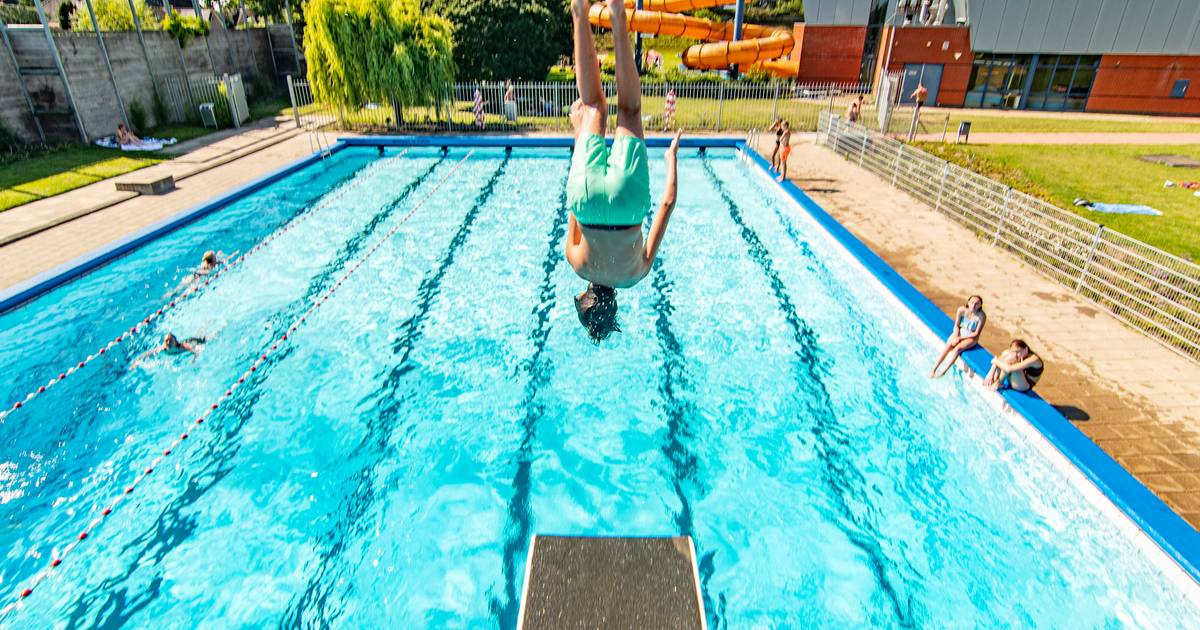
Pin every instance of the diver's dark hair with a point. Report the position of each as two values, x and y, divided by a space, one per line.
597 310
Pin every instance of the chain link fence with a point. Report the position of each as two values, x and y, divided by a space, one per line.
1147 288
543 106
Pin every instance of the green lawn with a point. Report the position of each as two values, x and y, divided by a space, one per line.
1104 173
933 122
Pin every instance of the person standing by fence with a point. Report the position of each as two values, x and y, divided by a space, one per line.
669 110
919 95
478 108
510 103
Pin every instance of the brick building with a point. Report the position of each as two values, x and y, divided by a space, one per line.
1059 55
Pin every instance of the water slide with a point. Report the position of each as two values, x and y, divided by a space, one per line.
761 46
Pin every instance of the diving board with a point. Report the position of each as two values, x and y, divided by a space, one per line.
611 582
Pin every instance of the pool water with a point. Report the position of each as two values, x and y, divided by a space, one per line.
389 463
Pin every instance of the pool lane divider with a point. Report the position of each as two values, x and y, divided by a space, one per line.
195 287
840 474
1178 539
176 443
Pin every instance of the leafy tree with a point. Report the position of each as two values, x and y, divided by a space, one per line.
362 51
507 39
184 27
113 15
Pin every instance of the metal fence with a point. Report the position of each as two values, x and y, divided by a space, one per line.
542 106
182 96
1147 288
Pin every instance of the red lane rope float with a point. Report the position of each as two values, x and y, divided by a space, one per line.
171 448
195 288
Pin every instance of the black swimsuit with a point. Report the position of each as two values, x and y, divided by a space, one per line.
778 137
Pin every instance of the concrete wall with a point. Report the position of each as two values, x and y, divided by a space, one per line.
14 112
1086 26
244 51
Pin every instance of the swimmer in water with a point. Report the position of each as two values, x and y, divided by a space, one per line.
172 345
209 263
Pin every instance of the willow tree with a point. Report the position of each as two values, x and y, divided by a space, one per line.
363 51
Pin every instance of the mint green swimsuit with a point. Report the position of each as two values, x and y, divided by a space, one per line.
609 188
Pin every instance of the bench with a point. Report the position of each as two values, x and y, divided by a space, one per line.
152 185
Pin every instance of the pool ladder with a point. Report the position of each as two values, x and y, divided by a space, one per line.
318 142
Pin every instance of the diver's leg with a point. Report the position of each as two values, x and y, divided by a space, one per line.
629 85
587 66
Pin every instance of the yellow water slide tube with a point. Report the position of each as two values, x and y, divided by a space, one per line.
760 45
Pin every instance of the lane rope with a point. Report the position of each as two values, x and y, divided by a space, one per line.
196 287
178 441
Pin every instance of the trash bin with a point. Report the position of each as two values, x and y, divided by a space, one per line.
964 131
207 115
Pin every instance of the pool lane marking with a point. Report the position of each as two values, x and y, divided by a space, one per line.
520 523
214 462
233 386
361 498
359 178
680 414
820 404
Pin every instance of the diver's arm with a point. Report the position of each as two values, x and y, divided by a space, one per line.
659 227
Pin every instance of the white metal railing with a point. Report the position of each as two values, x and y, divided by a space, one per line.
183 95
1153 291
543 106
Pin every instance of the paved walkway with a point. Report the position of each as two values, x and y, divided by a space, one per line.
221 171
195 156
1138 400
1070 138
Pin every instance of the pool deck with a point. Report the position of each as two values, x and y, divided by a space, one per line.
1136 399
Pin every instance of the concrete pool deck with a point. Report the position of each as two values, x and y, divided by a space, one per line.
1136 399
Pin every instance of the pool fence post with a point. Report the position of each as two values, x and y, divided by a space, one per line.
1091 254
836 134
896 164
942 186
1003 215
775 107
292 95
720 106
862 153
229 96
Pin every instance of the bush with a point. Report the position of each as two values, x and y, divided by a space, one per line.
9 142
23 13
506 39
160 108
184 27
114 15
137 115
65 11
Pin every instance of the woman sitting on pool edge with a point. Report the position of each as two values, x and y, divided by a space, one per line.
1017 368
608 192
968 324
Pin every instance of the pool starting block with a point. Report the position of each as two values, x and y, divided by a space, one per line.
611 582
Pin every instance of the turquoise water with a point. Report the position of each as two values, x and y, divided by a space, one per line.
388 464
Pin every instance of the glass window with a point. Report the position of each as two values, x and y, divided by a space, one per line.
1082 83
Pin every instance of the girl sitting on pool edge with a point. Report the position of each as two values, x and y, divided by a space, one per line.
608 192
968 325
1016 368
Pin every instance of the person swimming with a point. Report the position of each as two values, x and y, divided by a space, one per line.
608 191
1017 368
968 325
173 346
209 263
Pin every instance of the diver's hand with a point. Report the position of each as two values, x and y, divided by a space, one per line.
673 150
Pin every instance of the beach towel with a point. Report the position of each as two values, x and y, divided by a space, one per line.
147 144
1123 208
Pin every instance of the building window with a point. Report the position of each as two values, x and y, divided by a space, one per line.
997 81
1179 90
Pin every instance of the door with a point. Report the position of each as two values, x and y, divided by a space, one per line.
927 74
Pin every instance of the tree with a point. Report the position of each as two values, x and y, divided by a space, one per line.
507 39
362 51
113 15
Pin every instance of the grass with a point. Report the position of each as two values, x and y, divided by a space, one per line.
933 122
64 168
1103 173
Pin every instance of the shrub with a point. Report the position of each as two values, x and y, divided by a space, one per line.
9 142
506 39
137 115
160 108
362 51
184 27
23 13
65 10
114 15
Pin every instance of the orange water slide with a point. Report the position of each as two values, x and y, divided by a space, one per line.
760 45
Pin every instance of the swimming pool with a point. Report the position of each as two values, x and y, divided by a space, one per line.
387 463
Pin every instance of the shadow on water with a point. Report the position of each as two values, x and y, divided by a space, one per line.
315 606
111 602
520 517
845 483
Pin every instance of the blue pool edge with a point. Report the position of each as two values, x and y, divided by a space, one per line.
1160 523
1179 540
